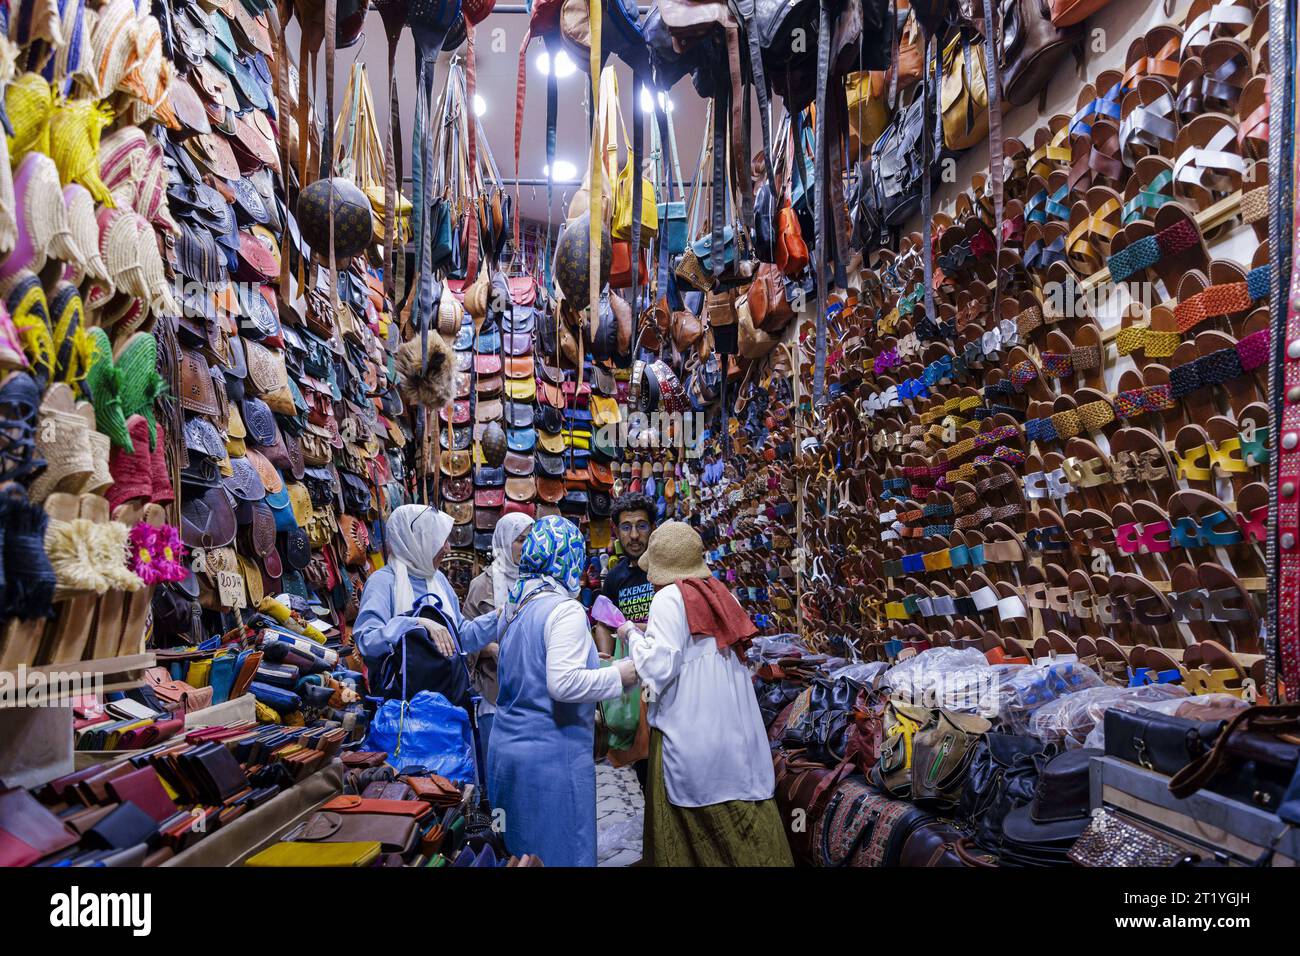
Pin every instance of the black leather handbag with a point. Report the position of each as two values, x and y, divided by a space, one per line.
1157 742
1003 773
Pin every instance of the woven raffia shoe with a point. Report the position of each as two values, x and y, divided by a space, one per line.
104 380
142 386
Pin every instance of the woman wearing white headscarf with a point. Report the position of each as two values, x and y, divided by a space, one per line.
416 536
490 592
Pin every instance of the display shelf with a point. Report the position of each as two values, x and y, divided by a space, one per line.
116 673
259 828
1208 819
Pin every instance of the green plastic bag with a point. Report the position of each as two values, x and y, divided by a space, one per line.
624 714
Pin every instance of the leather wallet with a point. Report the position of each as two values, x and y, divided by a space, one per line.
394 834
125 827
347 803
364 759
28 830
144 789
316 854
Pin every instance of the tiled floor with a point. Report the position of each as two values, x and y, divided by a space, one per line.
619 810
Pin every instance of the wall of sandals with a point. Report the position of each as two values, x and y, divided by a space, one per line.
1071 456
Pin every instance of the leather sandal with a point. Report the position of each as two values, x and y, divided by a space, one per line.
1208 164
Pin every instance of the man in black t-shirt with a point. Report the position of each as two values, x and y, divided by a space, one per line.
632 516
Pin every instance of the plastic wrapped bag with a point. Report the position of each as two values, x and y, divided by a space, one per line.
1181 706
1025 688
864 674
429 731
1070 719
770 649
957 680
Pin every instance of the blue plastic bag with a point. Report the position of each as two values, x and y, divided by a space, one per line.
433 733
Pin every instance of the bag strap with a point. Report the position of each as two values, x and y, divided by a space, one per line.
820 184
471 125
392 252
1198 773
327 146
993 84
638 156
596 193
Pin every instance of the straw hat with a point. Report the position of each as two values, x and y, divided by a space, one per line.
675 551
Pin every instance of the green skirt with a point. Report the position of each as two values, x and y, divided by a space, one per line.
735 833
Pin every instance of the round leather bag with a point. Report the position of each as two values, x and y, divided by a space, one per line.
494 445
351 217
572 253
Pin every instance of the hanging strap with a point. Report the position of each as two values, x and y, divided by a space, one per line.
327 145
993 82
392 252
283 111
596 219
471 123
821 176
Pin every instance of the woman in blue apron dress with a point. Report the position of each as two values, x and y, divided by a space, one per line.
541 772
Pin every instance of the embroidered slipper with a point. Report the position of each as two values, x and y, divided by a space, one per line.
12 356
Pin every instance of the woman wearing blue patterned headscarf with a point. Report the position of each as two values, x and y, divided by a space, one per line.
540 767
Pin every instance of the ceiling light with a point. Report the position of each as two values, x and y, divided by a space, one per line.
647 101
564 66
480 105
666 103
565 171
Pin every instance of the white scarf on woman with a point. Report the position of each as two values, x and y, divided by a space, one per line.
416 533
505 571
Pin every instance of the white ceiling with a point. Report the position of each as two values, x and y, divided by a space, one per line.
496 66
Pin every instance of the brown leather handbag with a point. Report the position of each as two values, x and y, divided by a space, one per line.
1032 47
687 329
769 306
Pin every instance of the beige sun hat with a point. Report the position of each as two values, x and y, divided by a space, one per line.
675 551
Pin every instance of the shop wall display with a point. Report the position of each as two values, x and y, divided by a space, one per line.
963 337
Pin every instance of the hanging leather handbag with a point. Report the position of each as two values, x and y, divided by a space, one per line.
687 329
963 97
672 213
620 269
1032 47
752 342
866 92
